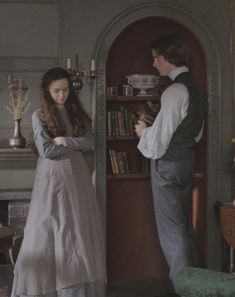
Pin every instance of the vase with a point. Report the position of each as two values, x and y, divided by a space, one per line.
17 141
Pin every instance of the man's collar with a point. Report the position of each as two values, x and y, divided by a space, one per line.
173 73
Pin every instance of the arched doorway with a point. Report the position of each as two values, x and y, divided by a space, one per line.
131 53
207 75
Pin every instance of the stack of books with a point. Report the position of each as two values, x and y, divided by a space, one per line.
148 113
120 122
119 162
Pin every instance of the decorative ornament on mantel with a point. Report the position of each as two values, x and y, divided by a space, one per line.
19 104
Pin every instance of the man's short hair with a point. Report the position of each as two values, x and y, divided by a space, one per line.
172 48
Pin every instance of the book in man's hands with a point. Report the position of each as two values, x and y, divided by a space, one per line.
147 114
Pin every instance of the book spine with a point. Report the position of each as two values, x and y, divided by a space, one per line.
112 162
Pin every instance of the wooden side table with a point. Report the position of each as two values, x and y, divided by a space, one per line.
227 225
6 270
6 239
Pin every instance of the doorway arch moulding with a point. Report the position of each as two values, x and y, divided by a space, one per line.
215 184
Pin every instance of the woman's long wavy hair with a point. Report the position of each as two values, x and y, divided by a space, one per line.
49 113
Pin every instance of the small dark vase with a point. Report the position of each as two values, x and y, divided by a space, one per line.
17 141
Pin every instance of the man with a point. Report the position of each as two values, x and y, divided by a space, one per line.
170 142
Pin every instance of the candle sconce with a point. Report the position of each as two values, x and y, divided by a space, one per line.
77 77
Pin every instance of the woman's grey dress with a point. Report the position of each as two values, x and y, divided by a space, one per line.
62 253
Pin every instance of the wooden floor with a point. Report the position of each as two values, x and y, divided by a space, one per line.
146 288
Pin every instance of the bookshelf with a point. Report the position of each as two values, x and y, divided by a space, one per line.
124 160
129 196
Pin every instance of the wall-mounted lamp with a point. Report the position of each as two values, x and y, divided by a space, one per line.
77 76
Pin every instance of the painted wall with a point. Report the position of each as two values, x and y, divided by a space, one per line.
37 35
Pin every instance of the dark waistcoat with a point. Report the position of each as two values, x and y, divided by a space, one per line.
183 139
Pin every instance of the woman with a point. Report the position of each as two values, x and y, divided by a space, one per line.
62 253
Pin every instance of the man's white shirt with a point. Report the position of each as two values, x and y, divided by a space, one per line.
155 140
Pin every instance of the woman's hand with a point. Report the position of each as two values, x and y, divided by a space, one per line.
60 140
139 127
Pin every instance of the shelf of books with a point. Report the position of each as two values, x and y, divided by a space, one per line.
123 112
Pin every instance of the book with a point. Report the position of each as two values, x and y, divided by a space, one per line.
112 162
120 160
109 122
148 113
126 164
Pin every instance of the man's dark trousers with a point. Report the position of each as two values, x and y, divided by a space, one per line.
172 198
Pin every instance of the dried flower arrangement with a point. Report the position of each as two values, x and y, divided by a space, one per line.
19 100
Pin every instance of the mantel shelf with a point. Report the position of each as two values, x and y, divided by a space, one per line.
17 157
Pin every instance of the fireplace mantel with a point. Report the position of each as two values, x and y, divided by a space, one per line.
15 195
17 167
21 158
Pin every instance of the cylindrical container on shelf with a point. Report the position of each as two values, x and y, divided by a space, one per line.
127 90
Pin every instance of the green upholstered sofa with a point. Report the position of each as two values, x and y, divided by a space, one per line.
198 282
